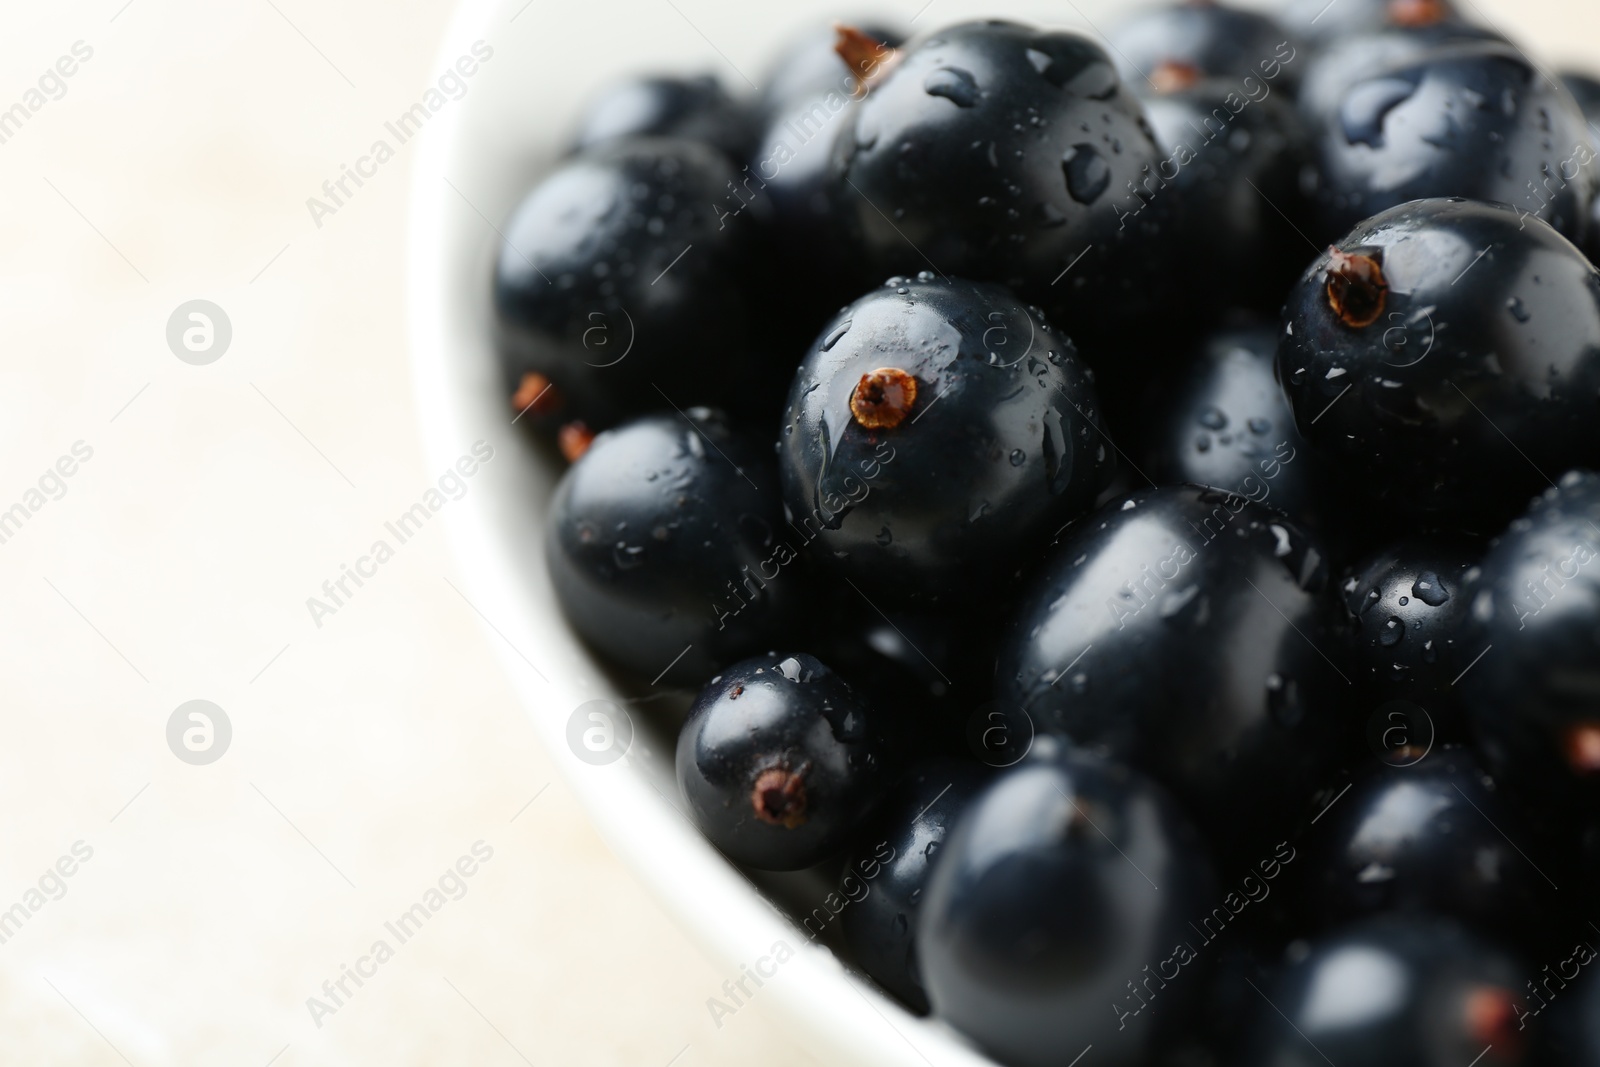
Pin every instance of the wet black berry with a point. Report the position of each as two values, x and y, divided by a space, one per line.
1533 688
1222 421
810 66
1407 610
1058 916
991 150
1410 991
696 108
780 760
886 875
1445 353
1209 38
1347 61
662 547
604 309
1183 631
1426 832
1473 120
1234 164
936 434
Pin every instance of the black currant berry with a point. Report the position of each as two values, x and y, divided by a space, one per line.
808 100
1058 915
811 65
1346 61
1412 991
695 108
1407 614
994 151
1474 120
780 761
1234 164
602 304
888 871
936 435
1204 37
1222 421
1467 338
1183 631
1532 689
1425 833
662 547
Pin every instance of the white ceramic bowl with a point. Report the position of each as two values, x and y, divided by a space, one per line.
476 158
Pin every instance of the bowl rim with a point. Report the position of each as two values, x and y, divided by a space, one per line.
830 1010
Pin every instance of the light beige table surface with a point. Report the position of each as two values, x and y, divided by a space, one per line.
368 754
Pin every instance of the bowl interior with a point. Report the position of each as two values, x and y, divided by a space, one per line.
475 157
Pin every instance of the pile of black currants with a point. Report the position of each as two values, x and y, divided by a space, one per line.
1174 649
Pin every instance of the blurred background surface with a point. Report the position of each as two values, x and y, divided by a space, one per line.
372 752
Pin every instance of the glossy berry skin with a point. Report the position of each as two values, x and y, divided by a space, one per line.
696 108
1461 378
1222 421
1044 914
1471 120
657 542
998 152
809 66
780 761
1412 991
1406 609
1178 630
1425 834
999 448
1586 91
888 871
1237 175
1346 61
1321 24
584 296
790 171
1534 697
1212 39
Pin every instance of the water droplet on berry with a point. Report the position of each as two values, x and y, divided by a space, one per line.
1429 589
1366 106
1087 173
833 338
954 84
